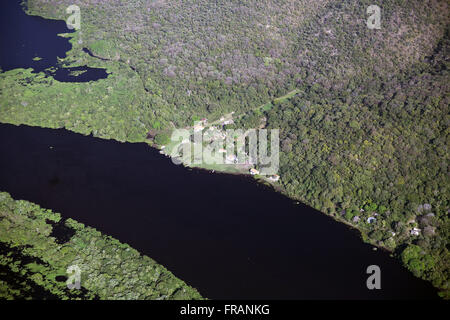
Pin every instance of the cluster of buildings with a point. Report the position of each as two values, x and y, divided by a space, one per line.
214 133
414 231
200 125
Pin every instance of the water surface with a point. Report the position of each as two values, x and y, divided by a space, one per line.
225 235
24 37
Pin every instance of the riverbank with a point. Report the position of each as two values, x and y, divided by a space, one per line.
224 234
346 149
362 221
45 245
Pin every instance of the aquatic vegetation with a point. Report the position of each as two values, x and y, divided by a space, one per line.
363 114
35 256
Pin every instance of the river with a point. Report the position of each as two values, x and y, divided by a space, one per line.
24 37
225 235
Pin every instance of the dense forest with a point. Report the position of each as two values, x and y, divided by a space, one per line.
37 245
366 136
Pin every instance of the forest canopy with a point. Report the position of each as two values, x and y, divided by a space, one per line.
365 135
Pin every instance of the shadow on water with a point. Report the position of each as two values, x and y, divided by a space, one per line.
24 38
225 235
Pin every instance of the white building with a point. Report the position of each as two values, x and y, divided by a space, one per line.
231 159
371 219
227 122
198 127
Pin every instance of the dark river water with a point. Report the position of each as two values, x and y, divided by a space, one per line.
225 235
24 37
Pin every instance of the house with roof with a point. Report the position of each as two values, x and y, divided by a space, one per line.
415 231
198 127
371 219
231 159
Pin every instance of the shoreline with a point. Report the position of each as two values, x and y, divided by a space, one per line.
277 187
273 188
